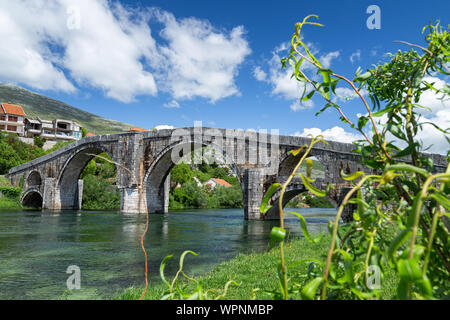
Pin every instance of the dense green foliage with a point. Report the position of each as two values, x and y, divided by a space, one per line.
9 195
401 219
185 192
99 189
14 152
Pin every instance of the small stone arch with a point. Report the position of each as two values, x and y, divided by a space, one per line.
34 179
32 198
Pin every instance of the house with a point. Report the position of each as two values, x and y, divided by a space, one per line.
57 129
12 119
137 130
214 182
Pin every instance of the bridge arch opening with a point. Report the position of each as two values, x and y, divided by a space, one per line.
296 193
34 179
160 191
32 199
78 183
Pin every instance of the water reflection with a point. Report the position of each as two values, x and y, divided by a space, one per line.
37 247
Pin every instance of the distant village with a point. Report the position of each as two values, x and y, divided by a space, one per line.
13 119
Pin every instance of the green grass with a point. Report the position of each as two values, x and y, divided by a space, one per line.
4 182
257 273
6 203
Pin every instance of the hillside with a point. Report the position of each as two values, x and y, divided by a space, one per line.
46 108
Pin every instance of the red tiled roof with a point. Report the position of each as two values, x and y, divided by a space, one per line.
12 109
89 134
222 182
137 130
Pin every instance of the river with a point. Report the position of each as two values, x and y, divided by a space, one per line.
36 248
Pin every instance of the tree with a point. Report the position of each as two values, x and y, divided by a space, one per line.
401 221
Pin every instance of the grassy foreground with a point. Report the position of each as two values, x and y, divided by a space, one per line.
256 273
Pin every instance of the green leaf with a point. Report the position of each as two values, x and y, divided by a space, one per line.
362 122
277 235
408 168
264 207
407 151
409 270
397 242
363 77
304 228
308 96
311 188
309 166
396 130
382 112
161 269
351 176
309 290
328 105
441 200
184 255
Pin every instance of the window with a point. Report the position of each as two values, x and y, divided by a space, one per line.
2 118
12 118
12 128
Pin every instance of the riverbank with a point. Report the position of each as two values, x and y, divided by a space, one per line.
256 273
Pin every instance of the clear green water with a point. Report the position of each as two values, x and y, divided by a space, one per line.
36 248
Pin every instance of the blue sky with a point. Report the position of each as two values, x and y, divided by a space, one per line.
163 62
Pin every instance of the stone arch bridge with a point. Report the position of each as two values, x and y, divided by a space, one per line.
258 159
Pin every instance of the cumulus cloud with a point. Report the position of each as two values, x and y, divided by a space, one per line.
64 44
172 104
259 74
356 56
301 105
333 134
163 126
200 60
328 58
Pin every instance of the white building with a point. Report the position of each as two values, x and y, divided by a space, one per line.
57 129
12 119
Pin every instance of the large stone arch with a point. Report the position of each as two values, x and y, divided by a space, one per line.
155 180
68 183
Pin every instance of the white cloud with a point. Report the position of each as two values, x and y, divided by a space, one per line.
356 56
113 50
163 126
333 134
105 52
302 105
328 58
259 74
200 60
172 104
